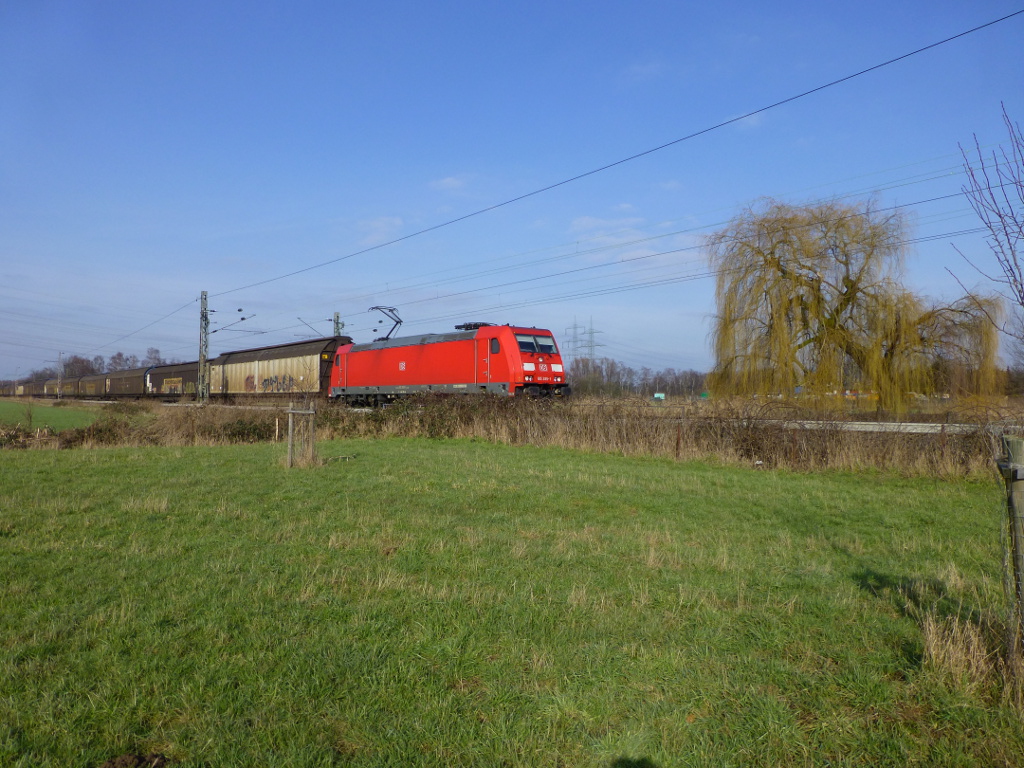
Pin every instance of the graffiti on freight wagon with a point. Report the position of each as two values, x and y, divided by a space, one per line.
272 384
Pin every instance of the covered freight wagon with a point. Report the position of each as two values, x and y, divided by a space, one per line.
61 387
93 385
177 379
35 388
130 383
301 368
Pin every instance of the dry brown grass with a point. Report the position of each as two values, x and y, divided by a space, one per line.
959 649
155 424
967 644
751 433
973 655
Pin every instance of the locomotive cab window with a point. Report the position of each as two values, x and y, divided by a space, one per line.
495 346
526 343
545 345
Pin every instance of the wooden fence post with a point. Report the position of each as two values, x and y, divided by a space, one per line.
1012 470
291 433
307 435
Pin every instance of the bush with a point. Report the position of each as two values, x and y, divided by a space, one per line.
126 408
105 431
248 431
14 437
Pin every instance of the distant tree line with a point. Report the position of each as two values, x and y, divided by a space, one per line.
604 376
1014 381
77 365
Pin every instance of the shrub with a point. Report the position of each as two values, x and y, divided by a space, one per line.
248 431
14 437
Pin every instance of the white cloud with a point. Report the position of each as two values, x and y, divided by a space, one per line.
380 230
449 183
594 224
642 72
751 122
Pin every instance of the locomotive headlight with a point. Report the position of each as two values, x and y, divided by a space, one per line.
558 378
529 378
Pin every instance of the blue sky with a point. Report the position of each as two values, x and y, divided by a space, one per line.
150 151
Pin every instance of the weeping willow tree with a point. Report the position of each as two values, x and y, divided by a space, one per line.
810 297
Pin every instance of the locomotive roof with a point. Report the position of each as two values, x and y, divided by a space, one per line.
437 338
411 341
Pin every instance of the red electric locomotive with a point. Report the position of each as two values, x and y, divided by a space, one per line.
476 358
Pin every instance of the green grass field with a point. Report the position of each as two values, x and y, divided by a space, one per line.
37 415
442 603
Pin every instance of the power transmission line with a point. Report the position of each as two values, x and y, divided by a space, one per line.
630 158
576 253
462 277
646 256
604 167
659 282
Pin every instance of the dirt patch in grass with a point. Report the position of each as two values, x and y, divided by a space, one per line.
137 761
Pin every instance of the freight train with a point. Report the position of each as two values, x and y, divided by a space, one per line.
477 358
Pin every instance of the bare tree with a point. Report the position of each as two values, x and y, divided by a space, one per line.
119 361
76 365
604 376
153 357
37 374
810 297
995 189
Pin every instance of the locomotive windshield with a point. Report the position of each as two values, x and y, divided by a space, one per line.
544 345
